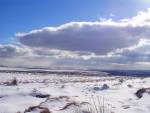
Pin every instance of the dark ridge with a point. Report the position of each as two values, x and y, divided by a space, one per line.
133 73
51 72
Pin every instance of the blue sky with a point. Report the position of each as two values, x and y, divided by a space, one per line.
102 34
25 15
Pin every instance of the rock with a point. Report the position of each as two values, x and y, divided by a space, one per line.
130 86
140 92
97 88
39 95
42 95
121 81
105 86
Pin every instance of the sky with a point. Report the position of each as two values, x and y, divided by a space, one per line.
97 34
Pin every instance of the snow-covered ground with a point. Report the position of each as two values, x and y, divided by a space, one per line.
68 93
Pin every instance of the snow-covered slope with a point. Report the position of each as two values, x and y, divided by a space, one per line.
65 93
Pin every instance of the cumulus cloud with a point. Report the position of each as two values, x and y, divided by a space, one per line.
136 53
98 37
102 44
9 51
86 37
12 55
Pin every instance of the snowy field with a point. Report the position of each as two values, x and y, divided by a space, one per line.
75 93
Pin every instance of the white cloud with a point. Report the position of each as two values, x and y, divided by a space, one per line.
10 51
104 43
98 37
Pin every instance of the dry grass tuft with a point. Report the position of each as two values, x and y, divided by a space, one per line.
97 105
42 109
12 82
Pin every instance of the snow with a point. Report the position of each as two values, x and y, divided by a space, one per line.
119 97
